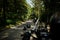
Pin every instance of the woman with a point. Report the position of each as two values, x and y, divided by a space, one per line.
55 26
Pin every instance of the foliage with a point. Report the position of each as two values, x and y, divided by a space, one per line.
12 11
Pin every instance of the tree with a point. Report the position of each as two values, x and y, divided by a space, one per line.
12 10
1 13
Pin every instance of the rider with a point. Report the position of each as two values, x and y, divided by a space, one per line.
55 26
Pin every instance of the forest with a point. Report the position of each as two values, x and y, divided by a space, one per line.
29 19
13 12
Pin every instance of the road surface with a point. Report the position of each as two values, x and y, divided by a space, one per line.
14 33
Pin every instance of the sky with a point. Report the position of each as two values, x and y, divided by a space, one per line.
29 2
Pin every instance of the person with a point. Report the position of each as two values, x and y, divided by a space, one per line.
54 26
34 20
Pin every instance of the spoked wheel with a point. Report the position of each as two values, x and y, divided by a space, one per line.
26 36
29 36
